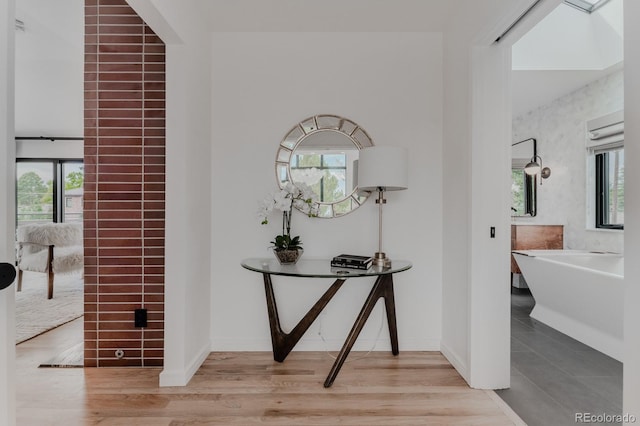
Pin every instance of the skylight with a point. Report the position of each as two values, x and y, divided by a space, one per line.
586 6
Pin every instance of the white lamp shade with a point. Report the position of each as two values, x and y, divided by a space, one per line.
383 166
533 168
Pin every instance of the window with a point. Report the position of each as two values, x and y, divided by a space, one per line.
517 192
324 173
34 192
42 185
609 184
587 6
523 192
523 186
605 148
72 189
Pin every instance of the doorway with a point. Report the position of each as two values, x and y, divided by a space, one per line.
49 150
47 191
557 89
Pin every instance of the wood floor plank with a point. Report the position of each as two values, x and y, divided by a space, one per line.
249 388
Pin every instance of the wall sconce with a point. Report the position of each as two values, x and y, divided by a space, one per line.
534 167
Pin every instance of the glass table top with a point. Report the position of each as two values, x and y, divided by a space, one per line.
319 268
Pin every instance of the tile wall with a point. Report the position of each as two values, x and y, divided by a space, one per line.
561 131
124 186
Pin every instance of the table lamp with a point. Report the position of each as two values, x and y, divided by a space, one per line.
382 168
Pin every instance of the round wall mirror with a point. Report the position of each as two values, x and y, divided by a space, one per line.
322 151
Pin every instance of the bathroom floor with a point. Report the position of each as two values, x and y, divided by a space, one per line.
555 378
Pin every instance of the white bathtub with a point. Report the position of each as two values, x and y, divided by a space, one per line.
579 293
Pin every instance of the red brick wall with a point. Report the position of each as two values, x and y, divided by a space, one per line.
124 186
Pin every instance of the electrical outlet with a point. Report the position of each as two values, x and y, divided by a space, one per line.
140 317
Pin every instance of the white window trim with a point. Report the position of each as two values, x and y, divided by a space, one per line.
603 134
606 132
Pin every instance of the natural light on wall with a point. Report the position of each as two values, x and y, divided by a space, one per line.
550 62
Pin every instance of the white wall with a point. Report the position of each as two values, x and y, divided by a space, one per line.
263 84
631 403
49 79
560 129
475 301
188 187
7 217
489 312
456 204
250 112
257 110
188 212
50 149
475 339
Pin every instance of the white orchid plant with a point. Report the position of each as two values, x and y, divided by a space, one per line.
300 196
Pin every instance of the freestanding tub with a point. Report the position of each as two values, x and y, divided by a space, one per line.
579 293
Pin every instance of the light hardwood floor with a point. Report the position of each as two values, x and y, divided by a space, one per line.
246 388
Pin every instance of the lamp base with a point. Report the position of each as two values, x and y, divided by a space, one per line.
380 259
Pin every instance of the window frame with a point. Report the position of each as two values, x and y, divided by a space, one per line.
323 166
601 176
58 184
586 6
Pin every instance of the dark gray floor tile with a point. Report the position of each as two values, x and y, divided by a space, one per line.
575 363
515 372
521 299
609 387
520 311
554 334
518 346
602 362
519 314
533 405
554 376
565 389
518 326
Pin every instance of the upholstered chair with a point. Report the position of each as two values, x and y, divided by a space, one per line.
50 248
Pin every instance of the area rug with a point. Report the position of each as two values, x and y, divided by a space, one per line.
35 314
71 358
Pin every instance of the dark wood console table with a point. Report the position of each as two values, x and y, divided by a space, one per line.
283 342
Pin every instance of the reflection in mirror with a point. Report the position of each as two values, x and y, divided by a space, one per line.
322 152
523 186
321 160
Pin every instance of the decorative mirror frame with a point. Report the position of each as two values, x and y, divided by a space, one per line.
311 126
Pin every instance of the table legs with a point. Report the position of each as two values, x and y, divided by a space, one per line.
283 342
383 287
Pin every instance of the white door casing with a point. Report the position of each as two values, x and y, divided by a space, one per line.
7 209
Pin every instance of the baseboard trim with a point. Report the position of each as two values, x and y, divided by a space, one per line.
460 366
333 345
181 377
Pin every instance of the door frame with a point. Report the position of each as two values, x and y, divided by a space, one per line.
7 216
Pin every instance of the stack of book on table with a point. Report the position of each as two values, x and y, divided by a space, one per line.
352 261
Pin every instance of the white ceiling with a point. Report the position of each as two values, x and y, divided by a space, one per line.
326 15
550 61
353 15
49 66
567 50
564 52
